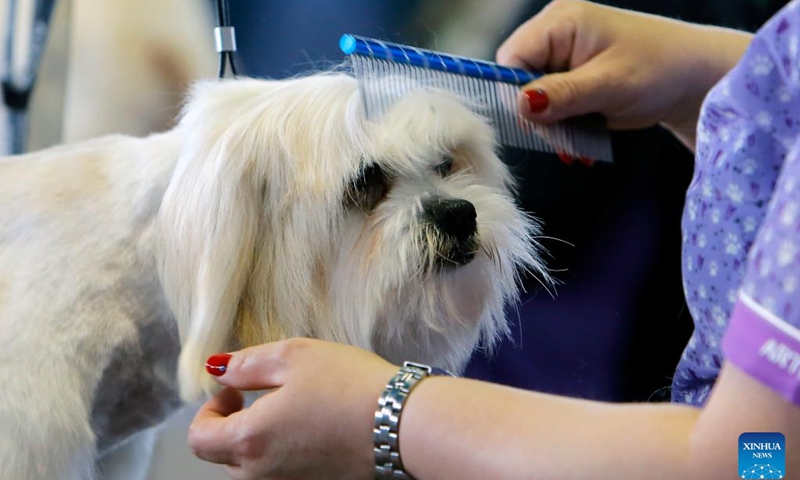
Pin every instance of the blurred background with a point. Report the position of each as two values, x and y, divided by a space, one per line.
618 324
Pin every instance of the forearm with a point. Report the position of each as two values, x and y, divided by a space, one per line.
473 430
709 53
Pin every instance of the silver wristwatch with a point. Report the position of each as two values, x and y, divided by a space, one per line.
386 446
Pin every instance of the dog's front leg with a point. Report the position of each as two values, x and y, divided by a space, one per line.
129 461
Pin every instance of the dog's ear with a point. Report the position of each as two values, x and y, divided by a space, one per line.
248 147
208 225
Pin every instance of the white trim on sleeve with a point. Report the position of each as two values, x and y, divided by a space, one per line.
770 317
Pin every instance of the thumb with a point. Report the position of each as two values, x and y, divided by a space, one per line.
556 96
211 430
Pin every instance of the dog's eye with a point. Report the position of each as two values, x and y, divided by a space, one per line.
368 188
444 168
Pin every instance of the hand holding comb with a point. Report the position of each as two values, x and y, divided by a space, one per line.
387 71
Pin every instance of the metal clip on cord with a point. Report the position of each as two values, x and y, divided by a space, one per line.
224 38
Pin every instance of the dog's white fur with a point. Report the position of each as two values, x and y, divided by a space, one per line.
233 229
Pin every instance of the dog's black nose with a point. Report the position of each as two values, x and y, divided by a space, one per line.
456 218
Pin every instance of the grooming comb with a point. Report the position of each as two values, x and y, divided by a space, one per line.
388 71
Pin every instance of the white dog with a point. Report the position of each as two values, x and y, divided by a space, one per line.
274 209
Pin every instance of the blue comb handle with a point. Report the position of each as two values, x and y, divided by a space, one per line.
419 57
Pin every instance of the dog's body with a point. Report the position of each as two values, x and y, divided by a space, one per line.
272 210
90 343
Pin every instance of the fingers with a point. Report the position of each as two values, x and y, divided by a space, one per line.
213 429
566 39
236 472
544 42
528 48
257 368
592 87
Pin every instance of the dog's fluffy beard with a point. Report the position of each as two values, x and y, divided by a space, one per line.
289 214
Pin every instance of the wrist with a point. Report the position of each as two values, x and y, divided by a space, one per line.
719 50
709 54
388 416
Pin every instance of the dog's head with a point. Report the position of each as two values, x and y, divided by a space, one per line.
290 214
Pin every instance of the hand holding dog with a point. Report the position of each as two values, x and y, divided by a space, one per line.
317 423
636 69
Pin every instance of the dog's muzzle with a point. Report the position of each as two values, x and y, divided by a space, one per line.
456 227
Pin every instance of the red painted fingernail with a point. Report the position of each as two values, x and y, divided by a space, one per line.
537 100
586 161
217 364
565 157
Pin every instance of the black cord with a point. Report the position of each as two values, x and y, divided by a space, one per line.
233 65
222 14
223 20
221 69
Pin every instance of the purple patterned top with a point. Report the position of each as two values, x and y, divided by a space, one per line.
741 222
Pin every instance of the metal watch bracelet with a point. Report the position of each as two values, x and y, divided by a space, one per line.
386 446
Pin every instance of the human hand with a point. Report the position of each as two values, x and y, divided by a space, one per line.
317 423
637 70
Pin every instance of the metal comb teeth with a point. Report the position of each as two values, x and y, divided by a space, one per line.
387 72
